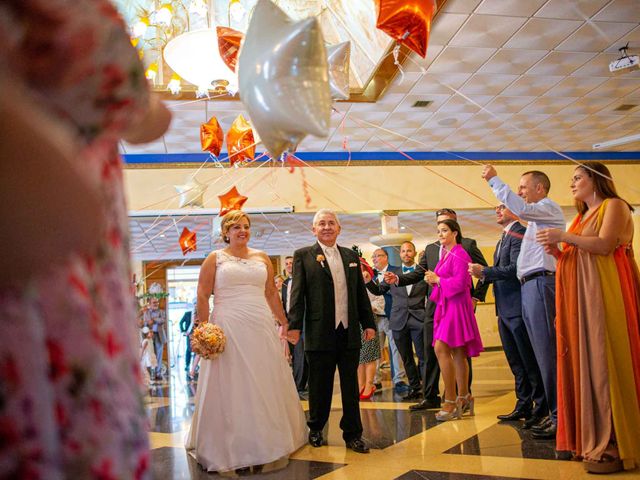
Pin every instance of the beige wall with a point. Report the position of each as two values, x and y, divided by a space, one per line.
355 188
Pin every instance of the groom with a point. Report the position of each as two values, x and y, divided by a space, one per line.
329 296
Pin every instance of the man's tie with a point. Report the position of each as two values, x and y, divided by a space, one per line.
408 269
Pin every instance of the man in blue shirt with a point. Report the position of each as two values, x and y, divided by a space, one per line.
536 272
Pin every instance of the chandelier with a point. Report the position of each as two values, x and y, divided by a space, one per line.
180 41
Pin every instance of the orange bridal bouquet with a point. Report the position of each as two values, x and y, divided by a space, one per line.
208 340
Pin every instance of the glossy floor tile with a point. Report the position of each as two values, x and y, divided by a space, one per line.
404 444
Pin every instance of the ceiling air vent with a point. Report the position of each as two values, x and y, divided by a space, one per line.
625 107
422 103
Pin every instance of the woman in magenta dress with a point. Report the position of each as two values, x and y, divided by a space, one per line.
455 331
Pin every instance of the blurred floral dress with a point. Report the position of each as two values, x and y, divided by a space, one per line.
70 401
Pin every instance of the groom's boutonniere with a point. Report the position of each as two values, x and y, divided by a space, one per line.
320 259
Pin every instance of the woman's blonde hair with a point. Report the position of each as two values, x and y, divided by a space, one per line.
229 220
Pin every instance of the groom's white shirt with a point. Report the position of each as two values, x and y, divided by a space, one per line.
334 259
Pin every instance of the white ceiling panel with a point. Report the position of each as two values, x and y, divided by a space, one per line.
509 7
596 36
486 31
620 11
543 33
487 84
563 9
512 61
460 60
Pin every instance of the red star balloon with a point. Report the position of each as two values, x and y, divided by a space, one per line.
187 241
229 44
241 143
211 136
407 21
232 200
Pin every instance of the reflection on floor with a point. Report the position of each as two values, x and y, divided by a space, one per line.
405 445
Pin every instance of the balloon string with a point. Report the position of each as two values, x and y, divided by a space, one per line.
473 194
396 62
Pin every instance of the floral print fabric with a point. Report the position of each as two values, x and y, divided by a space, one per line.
70 398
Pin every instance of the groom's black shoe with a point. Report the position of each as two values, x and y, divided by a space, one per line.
357 445
315 438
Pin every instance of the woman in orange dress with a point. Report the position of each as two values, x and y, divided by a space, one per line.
597 323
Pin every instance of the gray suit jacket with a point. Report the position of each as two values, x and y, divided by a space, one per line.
404 305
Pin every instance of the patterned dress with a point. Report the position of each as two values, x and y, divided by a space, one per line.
70 397
598 339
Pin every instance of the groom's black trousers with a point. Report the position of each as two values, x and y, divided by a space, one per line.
322 368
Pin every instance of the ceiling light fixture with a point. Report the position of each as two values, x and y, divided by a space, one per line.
617 142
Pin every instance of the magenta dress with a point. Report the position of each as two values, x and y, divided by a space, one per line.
454 322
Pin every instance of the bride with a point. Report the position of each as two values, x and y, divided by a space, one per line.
247 409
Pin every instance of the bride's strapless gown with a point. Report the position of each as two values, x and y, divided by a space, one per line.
247 408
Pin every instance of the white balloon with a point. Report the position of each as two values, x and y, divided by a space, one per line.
191 193
338 57
283 78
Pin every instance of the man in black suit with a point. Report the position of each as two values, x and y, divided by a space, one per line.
430 259
328 297
298 359
513 332
406 318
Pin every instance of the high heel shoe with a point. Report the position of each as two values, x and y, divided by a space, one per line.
443 415
466 404
369 395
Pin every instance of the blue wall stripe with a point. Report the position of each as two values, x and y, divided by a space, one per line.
198 158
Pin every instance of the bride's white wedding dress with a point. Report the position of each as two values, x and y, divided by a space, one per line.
247 408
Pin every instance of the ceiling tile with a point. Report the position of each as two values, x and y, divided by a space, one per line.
460 6
486 31
586 105
471 104
504 104
487 84
445 26
531 85
598 66
575 86
543 33
460 60
433 134
437 83
595 36
561 121
570 10
620 11
510 7
560 63
527 121
616 87
406 105
550 105
406 119
486 120
512 61
597 121
447 120
633 38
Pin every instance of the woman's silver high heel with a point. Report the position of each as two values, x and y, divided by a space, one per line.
443 415
466 404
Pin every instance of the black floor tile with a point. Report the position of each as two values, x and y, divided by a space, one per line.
506 440
427 475
174 464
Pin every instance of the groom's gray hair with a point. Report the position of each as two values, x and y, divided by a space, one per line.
325 211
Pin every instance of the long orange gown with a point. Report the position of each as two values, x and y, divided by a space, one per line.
598 341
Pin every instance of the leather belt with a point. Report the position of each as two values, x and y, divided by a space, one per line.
541 273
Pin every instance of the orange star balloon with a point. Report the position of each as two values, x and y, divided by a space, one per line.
229 45
407 21
241 143
187 241
211 136
232 200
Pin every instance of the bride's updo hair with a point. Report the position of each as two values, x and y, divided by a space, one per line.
229 220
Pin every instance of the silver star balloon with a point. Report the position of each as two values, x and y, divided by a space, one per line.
191 193
283 78
338 58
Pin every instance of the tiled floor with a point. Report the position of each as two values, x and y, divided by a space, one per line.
405 445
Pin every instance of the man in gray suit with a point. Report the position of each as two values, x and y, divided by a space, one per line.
407 318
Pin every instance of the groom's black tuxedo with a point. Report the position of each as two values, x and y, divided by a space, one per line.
327 347
313 302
